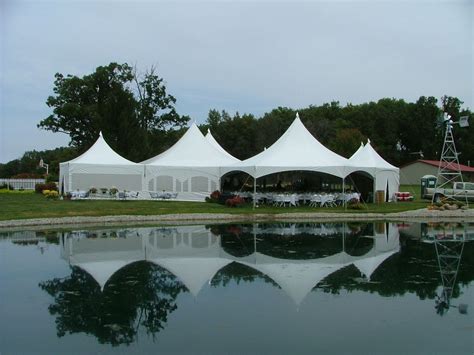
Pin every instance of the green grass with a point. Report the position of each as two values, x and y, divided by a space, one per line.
23 205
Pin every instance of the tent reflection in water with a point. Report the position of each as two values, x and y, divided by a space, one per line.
195 255
100 166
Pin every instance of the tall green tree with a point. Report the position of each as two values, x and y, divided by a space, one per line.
127 107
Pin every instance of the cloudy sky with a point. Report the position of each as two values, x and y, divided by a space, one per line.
246 56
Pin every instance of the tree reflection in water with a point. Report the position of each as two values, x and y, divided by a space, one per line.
142 294
139 295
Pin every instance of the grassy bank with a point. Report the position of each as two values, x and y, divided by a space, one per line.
14 205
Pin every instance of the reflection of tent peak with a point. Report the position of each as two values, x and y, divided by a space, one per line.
193 272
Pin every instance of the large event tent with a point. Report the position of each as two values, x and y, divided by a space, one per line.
296 149
98 167
386 176
191 167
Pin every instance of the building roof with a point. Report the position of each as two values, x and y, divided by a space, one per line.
463 168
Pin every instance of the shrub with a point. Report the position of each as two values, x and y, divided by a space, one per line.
51 186
214 197
6 187
113 190
51 195
356 206
234 201
92 190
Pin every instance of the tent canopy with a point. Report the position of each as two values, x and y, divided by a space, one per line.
192 150
386 176
367 157
100 166
210 138
296 149
101 153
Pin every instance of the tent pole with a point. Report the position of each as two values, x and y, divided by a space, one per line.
254 192
344 192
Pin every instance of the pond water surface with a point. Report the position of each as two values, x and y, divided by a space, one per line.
281 288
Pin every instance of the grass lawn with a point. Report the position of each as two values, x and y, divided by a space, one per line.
22 205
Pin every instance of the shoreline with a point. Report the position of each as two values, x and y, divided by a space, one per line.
421 215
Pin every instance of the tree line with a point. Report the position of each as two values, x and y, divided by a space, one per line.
138 119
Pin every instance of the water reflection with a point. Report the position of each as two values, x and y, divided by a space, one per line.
124 280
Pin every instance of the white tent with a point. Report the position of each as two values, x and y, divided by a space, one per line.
386 176
98 167
296 149
210 138
190 168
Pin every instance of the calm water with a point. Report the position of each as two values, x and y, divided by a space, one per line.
283 288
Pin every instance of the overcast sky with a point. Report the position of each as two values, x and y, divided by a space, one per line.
246 56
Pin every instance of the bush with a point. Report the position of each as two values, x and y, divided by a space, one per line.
356 206
51 195
92 190
113 190
51 186
214 197
6 187
234 201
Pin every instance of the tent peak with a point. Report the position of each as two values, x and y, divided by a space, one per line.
368 140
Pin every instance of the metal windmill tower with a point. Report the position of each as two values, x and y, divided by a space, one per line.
449 243
449 170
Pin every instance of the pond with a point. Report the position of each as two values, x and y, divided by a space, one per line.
276 288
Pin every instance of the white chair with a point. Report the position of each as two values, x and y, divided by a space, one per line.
328 201
315 201
278 201
294 200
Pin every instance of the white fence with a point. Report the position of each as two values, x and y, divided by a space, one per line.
25 184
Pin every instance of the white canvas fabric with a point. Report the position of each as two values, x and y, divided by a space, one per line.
210 138
296 149
191 167
100 166
386 176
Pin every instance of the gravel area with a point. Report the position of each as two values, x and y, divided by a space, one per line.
415 215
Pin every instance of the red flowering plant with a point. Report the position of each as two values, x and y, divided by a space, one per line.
214 197
234 201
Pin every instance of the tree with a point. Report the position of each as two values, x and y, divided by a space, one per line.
126 107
